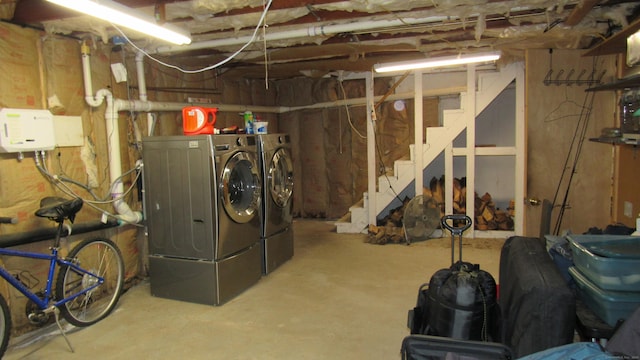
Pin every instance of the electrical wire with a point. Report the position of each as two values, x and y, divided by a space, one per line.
346 107
375 137
229 58
59 182
264 46
374 119
377 145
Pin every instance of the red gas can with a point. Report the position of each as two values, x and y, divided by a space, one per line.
198 120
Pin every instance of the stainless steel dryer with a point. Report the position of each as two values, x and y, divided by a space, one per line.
202 201
277 202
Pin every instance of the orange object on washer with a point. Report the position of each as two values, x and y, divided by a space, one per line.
198 120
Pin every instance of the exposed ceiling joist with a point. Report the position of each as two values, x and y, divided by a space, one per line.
580 11
340 33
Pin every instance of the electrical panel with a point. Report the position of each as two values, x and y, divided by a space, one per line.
24 130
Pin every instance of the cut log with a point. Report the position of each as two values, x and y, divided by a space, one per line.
487 214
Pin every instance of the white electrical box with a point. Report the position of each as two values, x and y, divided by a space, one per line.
26 130
68 130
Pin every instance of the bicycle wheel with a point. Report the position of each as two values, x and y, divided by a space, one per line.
5 325
100 257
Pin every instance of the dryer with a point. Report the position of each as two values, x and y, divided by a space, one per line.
276 166
202 203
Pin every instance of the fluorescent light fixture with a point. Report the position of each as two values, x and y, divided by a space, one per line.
124 16
437 62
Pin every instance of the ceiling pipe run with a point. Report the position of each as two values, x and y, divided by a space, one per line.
322 30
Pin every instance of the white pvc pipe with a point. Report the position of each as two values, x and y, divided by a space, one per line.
413 18
114 106
323 30
115 164
142 93
111 117
86 75
142 83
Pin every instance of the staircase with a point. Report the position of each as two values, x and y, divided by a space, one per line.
489 86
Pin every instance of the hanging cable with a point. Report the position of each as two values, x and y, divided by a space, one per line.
374 119
60 183
264 47
346 107
231 57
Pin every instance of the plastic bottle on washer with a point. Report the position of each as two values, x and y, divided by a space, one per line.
248 122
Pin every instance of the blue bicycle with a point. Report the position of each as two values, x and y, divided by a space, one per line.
89 279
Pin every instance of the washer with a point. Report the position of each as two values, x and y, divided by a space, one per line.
277 201
202 203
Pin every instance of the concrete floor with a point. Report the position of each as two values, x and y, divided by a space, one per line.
337 298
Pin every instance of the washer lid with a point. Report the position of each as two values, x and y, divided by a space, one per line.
240 187
280 177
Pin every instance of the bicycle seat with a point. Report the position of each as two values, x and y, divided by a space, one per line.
58 209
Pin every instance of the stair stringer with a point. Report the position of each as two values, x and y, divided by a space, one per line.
489 86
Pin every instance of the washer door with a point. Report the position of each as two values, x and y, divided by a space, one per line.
240 187
281 178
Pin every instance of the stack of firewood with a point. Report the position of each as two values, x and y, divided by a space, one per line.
389 229
436 192
486 215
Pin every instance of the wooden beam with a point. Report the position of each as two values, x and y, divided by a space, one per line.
580 11
37 11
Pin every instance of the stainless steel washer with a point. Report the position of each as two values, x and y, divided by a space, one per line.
277 203
202 203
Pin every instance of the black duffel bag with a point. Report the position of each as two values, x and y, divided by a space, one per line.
462 304
460 301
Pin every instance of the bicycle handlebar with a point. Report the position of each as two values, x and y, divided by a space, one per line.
8 220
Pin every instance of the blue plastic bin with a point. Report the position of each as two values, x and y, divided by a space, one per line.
611 262
610 306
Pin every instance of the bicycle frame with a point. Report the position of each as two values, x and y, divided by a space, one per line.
54 260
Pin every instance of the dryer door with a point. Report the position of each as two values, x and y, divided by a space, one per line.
281 177
240 187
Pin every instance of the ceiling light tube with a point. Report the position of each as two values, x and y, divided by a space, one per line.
437 62
124 16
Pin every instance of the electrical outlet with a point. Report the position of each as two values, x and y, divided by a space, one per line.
628 209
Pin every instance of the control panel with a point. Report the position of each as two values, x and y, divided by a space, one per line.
23 130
